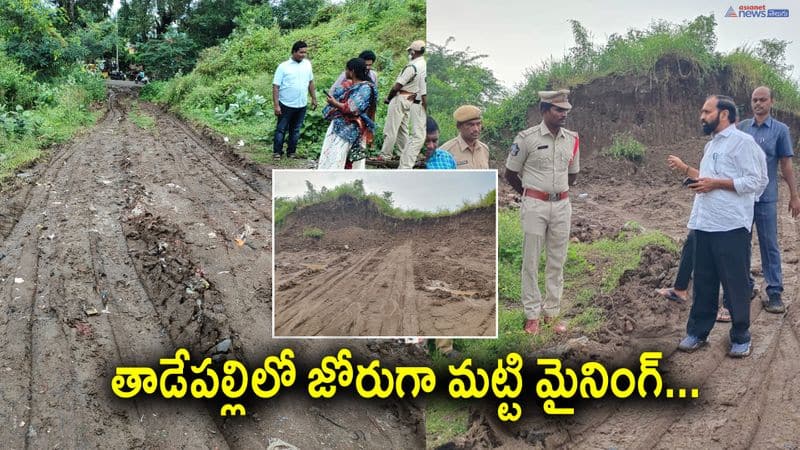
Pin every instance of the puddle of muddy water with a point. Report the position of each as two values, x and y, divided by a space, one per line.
436 285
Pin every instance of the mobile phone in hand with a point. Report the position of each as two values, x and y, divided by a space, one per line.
689 181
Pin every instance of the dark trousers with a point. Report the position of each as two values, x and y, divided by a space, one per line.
721 257
687 263
290 121
686 267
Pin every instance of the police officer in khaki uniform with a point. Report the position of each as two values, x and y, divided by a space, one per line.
543 163
407 104
466 148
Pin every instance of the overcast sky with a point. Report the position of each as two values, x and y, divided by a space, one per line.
419 189
517 34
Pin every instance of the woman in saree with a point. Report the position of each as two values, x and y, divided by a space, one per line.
351 110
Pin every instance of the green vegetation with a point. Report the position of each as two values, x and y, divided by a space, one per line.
35 114
635 52
456 78
384 203
239 71
625 146
591 269
142 120
444 419
313 232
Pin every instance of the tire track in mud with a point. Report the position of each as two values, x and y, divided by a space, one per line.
375 291
58 360
366 297
17 304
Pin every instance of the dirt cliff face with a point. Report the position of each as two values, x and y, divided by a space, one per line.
359 222
374 275
661 108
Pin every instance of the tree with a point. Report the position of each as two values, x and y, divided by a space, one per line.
583 53
358 186
135 20
311 191
387 195
210 21
773 53
702 27
29 34
140 20
457 77
293 14
84 11
167 55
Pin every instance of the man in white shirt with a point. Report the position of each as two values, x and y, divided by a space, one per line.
291 85
733 173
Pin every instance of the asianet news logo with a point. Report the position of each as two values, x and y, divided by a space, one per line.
757 11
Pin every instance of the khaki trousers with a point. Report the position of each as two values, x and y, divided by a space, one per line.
546 225
405 126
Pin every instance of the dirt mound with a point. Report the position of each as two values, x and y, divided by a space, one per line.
660 110
357 222
373 275
636 316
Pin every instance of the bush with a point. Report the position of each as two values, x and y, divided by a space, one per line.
44 112
244 105
313 232
16 86
153 90
624 146
18 121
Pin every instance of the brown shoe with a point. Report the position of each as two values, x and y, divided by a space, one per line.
532 326
558 326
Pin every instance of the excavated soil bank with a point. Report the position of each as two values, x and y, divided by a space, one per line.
374 275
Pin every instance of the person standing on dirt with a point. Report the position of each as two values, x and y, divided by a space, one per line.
466 148
405 117
774 139
369 58
291 85
544 161
733 172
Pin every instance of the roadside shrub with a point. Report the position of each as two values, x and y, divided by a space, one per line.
16 86
18 121
243 106
153 90
624 146
313 232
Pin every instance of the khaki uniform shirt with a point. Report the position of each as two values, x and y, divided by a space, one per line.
543 160
475 157
414 81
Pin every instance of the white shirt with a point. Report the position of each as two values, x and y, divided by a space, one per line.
730 154
292 79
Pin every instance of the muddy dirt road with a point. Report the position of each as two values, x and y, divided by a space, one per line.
121 248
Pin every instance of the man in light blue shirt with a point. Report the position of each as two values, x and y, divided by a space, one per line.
774 139
732 174
291 85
